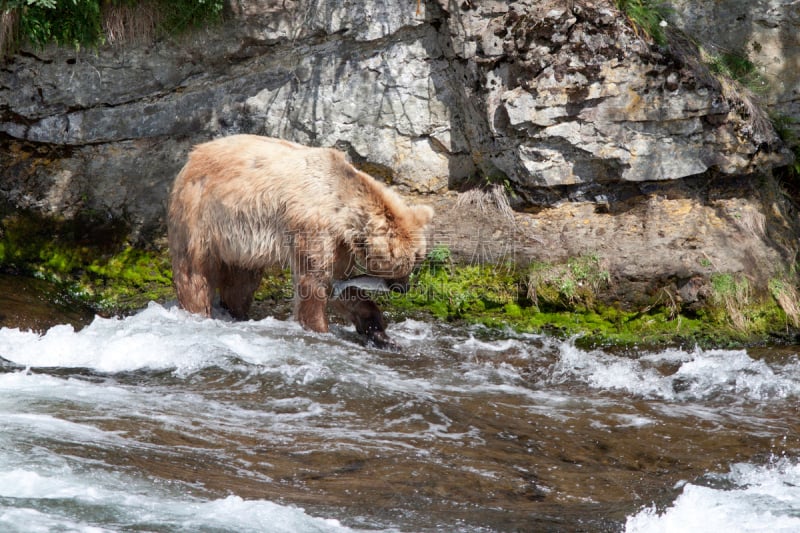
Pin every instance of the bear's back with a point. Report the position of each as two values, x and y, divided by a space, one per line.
272 174
250 192
247 200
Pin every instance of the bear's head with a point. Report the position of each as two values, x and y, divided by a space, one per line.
397 242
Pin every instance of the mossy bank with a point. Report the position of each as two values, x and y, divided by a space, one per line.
575 298
88 259
92 266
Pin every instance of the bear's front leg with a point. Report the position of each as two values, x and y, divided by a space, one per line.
310 300
195 282
354 305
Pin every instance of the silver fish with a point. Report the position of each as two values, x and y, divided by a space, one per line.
367 283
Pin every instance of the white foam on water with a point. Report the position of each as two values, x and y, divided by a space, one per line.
315 378
159 338
155 338
73 411
762 499
695 375
42 490
23 387
475 346
71 501
412 330
32 521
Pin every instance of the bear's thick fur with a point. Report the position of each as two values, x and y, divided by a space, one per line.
245 202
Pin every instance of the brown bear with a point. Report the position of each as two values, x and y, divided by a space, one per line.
245 202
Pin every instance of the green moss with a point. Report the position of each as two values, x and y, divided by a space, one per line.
451 292
736 307
512 310
276 285
566 300
88 259
94 264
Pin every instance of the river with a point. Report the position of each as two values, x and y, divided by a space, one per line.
163 421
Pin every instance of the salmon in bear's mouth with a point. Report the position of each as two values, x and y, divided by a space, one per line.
367 283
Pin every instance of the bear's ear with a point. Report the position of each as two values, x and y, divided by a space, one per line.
422 214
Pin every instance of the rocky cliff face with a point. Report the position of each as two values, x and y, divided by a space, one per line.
765 31
608 144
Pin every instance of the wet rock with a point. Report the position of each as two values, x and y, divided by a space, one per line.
562 102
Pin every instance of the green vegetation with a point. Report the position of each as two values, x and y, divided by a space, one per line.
786 294
110 277
739 77
736 72
740 314
67 23
276 287
647 16
570 298
571 285
738 67
464 292
90 23
733 298
740 82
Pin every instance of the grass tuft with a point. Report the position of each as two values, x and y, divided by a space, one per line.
131 22
786 294
733 295
567 285
91 23
490 197
648 16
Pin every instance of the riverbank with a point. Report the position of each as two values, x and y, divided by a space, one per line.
576 298
621 276
549 139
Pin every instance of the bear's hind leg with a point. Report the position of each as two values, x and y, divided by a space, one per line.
237 286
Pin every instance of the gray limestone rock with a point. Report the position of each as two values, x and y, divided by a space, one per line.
562 102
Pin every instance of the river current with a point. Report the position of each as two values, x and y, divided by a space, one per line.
164 421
